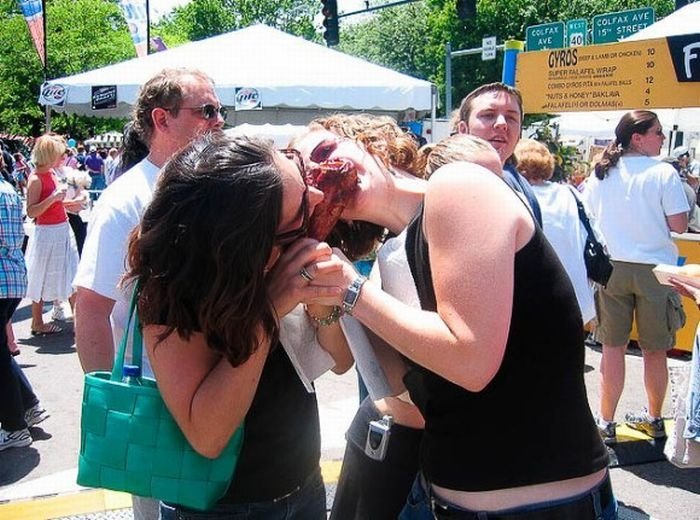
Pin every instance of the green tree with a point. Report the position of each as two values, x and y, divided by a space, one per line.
81 35
201 19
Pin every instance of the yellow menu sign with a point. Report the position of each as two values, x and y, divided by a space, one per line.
659 73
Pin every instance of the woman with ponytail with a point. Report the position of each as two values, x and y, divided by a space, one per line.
637 201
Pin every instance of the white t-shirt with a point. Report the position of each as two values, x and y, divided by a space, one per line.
103 262
631 205
563 229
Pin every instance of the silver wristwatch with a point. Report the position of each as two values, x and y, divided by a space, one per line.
353 294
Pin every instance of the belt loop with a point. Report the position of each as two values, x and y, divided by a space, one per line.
596 503
482 515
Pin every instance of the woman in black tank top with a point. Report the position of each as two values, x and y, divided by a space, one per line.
497 342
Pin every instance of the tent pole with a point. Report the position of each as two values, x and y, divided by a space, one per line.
433 112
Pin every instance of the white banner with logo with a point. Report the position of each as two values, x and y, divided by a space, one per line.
53 95
247 99
136 16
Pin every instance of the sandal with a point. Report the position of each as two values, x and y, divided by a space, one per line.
48 329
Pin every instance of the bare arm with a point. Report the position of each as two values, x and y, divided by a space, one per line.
206 395
332 339
464 341
93 331
678 223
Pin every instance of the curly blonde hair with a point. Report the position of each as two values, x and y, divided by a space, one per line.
534 160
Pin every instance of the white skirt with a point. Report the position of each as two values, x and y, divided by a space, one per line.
52 261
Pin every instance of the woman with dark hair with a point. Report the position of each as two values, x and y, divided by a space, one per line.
217 259
637 201
491 333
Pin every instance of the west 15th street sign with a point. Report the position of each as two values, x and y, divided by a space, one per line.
545 36
612 27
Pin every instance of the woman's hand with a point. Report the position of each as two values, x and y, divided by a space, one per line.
288 285
341 277
687 287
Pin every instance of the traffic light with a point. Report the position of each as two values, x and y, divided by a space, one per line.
330 22
466 9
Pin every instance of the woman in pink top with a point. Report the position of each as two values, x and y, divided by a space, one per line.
52 256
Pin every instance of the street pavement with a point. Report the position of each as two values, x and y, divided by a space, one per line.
655 490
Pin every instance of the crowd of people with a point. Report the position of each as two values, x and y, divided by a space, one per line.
476 307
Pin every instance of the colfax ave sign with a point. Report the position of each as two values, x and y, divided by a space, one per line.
612 27
545 36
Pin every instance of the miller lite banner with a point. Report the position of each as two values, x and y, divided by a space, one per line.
33 12
136 16
247 99
53 95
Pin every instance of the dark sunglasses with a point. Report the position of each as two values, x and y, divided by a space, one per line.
286 238
209 111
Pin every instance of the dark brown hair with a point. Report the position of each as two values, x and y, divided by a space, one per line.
200 252
635 122
465 107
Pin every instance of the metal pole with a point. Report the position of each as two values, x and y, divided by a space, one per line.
448 79
47 117
148 28
384 6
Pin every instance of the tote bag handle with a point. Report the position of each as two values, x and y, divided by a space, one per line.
137 339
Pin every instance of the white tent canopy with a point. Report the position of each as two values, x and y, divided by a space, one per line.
294 79
685 20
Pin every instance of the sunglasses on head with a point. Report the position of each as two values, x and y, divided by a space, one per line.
286 238
209 111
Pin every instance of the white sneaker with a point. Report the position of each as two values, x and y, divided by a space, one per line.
57 314
15 439
35 415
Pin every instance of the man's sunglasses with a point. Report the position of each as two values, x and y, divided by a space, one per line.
286 238
209 111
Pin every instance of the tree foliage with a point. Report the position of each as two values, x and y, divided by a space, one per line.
201 19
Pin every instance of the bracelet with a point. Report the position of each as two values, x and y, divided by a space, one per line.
334 316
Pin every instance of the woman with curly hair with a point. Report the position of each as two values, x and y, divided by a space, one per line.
491 334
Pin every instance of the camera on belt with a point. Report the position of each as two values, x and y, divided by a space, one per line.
378 435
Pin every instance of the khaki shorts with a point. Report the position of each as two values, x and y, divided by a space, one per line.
633 291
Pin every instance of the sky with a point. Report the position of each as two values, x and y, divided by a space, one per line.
159 8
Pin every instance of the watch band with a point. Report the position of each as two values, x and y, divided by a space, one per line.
353 294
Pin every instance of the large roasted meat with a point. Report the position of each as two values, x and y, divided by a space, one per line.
337 179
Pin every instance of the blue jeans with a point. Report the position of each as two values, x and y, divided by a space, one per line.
307 503
419 506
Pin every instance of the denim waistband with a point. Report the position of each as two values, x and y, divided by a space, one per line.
590 504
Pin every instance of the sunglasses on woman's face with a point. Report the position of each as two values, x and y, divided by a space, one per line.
286 238
209 111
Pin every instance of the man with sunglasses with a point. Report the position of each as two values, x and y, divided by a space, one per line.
173 107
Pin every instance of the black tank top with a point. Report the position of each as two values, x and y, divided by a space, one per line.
282 443
532 423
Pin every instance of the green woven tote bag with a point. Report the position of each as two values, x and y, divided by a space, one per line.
130 442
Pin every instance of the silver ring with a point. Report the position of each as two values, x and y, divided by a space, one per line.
306 275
